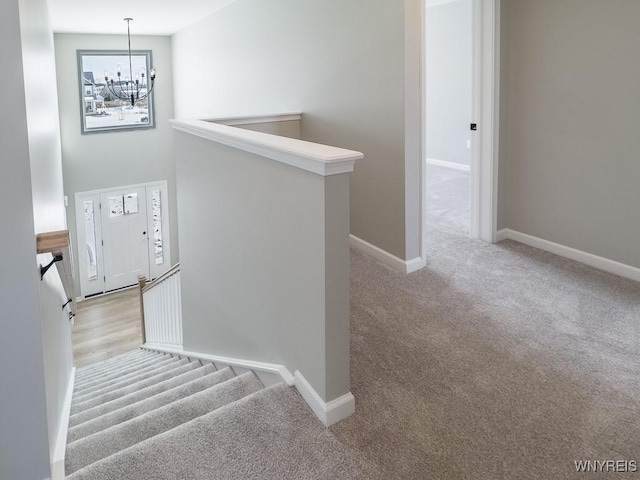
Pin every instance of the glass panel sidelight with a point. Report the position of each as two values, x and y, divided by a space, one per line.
90 229
156 206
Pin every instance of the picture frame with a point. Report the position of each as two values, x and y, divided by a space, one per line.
101 108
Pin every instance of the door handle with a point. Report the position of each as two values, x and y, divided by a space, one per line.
144 233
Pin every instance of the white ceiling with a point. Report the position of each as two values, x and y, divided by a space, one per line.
150 17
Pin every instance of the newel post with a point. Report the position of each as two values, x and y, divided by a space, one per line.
142 281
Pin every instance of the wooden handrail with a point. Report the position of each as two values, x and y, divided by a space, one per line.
161 278
58 243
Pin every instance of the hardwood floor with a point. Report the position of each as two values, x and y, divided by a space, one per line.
106 326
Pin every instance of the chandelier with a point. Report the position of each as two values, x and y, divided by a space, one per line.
130 88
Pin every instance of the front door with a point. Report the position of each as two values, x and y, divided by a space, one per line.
124 237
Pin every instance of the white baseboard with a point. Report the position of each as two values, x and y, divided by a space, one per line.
451 165
258 367
502 235
595 261
57 465
404 266
330 412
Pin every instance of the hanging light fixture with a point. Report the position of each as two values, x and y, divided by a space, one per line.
131 89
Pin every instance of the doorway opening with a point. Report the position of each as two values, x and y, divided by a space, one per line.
449 111
485 100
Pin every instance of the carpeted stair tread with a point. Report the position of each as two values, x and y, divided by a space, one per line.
166 373
120 370
104 365
100 445
128 356
124 380
270 434
139 408
123 368
139 395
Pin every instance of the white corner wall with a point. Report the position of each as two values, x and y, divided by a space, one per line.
112 159
340 62
35 354
573 99
264 262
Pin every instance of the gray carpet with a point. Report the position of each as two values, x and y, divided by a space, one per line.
103 396
114 439
270 435
198 424
122 378
131 360
139 395
137 408
495 362
448 206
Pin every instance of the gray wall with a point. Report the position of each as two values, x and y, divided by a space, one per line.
264 262
112 159
448 79
290 128
573 133
35 355
340 62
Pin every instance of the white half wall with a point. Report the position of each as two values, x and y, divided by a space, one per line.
265 253
35 354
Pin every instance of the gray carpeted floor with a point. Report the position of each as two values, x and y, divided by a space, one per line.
494 362
448 206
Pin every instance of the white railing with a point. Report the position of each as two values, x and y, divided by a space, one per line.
161 310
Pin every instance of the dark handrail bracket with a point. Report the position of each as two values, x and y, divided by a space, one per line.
43 270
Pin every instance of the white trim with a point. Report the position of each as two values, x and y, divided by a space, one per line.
312 157
272 368
404 266
123 187
611 266
451 165
437 3
502 235
60 450
329 413
490 137
415 264
253 119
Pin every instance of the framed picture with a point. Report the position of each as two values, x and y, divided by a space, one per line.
115 91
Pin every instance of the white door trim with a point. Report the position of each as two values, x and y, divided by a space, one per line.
484 219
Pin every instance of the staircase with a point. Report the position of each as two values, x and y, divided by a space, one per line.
150 415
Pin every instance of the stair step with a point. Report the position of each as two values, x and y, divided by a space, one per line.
123 369
136 409
119 437
139 395
132 356
170 371
270 434
123 380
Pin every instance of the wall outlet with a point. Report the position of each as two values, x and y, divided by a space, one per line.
469 143
66 201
